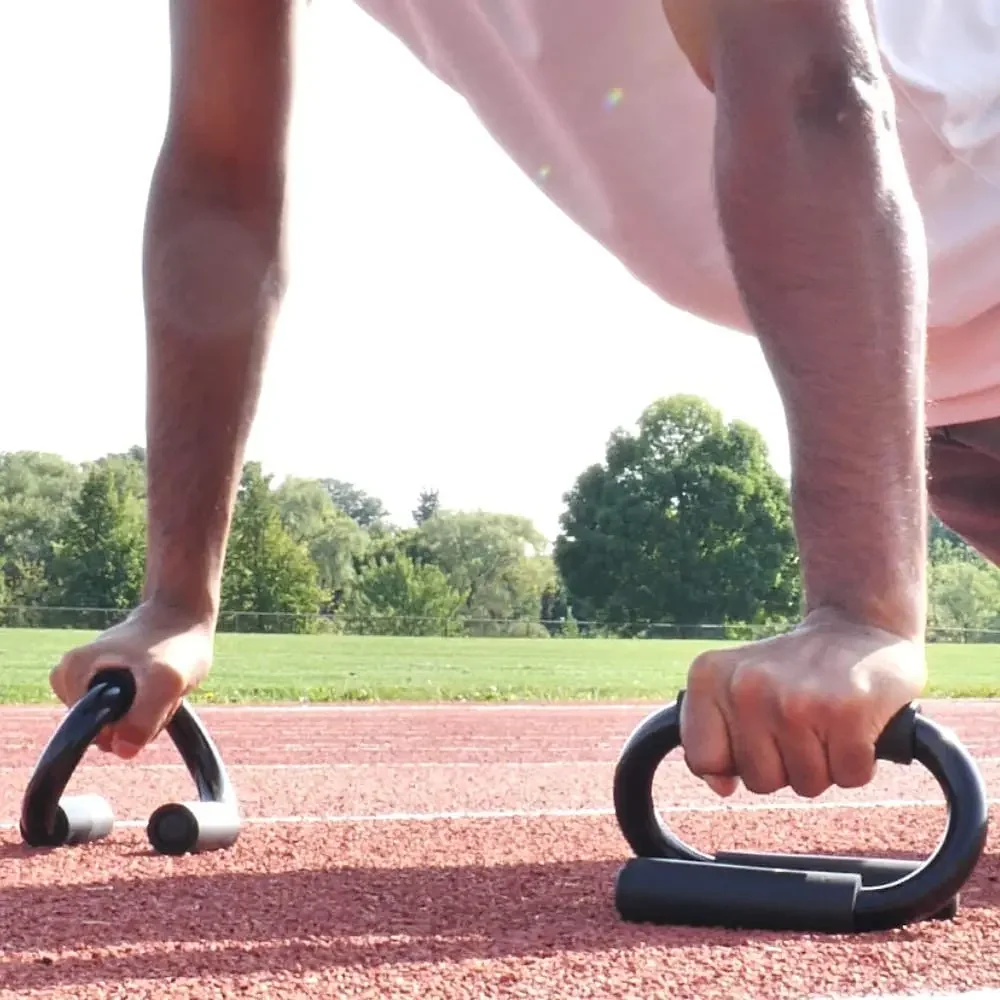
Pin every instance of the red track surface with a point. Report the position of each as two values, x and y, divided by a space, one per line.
328 895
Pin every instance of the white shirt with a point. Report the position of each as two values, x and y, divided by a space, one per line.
596 103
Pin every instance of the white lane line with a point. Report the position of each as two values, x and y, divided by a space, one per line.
462 815
975 995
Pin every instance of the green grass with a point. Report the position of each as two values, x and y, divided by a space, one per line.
261 668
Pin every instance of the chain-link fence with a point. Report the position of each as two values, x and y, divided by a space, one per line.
250 622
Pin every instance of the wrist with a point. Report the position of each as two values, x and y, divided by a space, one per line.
863 547
188 607
905 619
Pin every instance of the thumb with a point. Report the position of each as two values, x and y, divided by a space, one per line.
158 694
722 785
127 738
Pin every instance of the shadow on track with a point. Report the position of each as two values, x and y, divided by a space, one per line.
246 924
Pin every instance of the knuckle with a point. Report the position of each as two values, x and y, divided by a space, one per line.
749 688
703 674
810 785
68 677
762 772
68 664
853 767
704 760
763 782
802 708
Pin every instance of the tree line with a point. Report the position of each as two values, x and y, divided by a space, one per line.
684 522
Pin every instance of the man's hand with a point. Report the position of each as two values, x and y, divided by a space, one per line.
168 654
803 709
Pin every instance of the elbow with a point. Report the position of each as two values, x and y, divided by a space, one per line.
835 94
215 258
250 192
807 66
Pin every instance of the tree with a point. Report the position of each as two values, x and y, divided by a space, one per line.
427 506
333 539
266 570
494 559
685 521
554 605
964 595
37 491
945 545
101 555
365 510
400 597
130 466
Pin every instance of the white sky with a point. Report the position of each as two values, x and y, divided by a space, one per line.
406 217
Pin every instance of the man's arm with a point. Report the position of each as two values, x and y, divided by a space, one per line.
213 278
827 249
213 271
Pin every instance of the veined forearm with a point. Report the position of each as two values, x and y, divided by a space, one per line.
213 280
828 250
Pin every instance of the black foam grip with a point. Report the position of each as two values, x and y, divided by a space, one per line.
659 891
121 679
872 871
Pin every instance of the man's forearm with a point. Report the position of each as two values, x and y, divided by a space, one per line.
213 279
829 254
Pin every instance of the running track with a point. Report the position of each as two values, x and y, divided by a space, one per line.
469 851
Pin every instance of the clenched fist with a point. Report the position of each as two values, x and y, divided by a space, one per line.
803 709
167 652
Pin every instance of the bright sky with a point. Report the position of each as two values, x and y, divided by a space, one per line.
446 325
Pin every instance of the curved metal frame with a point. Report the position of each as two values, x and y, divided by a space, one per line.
909 736
109 697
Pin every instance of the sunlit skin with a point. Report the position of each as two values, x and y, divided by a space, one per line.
837 297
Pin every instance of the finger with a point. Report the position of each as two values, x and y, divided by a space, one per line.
61 689
128 740
753 722
852 760
758 759
127 746
158 694
805 761
722 786
704 733
57 681
78 667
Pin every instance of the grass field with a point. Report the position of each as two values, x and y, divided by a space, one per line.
258 668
